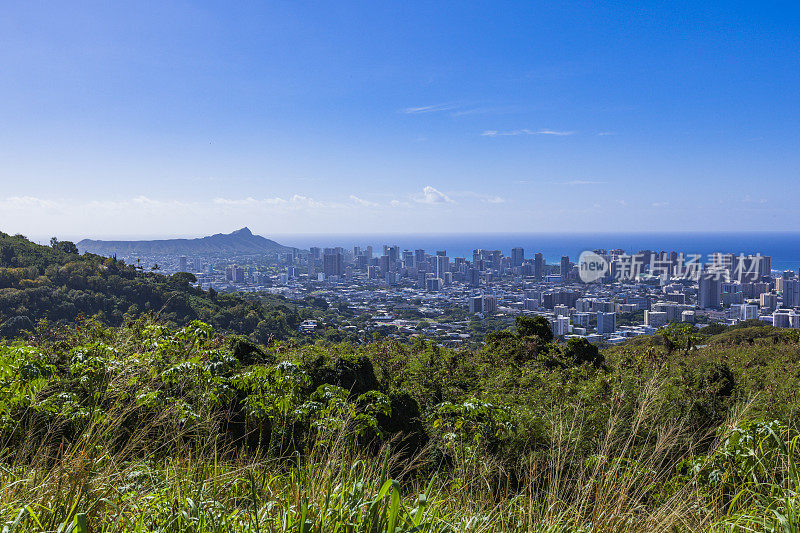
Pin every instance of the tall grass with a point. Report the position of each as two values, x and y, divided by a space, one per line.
157 475
94 484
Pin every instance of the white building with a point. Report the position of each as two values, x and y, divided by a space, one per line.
606 323
581 319
561 326
748 312
561 310
782 318
656 319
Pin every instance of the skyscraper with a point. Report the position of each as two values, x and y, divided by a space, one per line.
442 265
791 293
538 266
709 293
474 277
517 256
333 262
564 267
765 266
393 252
182 263
408 258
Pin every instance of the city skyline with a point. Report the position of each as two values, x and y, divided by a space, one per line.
168 119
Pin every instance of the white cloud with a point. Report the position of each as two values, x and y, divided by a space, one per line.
605 133
362 202
487 198
431 195
143 202
296 201
250 202
659 204
428 109
398 203
299 199
525 131
553 132
27 202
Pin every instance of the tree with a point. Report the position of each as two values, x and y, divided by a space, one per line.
316 302
67 247
7 254
14 326
184 278
582 351
529 326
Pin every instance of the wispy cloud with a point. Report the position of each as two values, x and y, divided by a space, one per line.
553 132
486 198
461 109
428 109
659 204
525 131
293 202
398 203
27 202
360 201
249 201
605 133
431 195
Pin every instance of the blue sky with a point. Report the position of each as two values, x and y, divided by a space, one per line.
173 118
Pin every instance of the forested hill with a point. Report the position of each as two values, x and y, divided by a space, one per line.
239 242
58 284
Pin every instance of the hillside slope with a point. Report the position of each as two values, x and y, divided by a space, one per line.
40 282
241 241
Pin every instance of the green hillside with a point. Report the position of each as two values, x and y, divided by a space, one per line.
59 285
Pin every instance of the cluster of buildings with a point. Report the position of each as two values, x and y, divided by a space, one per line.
637 294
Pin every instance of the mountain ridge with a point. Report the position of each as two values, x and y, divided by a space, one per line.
241 241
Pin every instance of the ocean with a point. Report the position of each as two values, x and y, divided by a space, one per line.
782 247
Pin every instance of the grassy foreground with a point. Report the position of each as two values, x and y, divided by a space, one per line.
144 428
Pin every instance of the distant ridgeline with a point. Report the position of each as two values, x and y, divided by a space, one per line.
59 285
241 242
